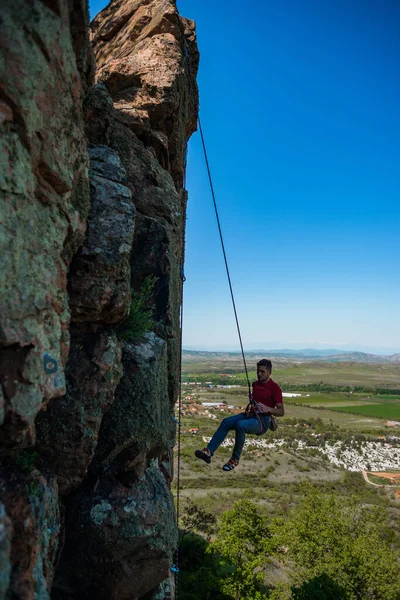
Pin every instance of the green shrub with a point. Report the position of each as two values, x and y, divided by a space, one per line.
200 572
140 319
26 461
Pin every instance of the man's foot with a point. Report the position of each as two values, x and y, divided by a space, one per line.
204 454
230 465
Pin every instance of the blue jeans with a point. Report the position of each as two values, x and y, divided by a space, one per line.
241 425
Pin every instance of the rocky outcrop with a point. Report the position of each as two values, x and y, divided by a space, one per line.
146 55
5 551
44 184
120 537
99 274
32 506
68 430
92 178
44 204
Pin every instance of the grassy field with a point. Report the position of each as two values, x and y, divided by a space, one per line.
331 398
385 411
346 374
273 476
315 404
384 407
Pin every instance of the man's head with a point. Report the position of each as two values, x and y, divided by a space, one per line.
264 369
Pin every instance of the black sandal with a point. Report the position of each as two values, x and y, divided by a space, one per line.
230 465
204 454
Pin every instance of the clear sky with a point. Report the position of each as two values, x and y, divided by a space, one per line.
300 109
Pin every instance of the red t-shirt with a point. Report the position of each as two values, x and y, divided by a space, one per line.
268 393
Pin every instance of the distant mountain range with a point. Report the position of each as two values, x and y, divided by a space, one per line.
312 348
329 355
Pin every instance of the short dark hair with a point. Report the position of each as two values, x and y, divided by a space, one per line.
265 362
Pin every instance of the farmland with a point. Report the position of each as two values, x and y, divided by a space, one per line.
371 390
273 474
341 430
290 373
385 411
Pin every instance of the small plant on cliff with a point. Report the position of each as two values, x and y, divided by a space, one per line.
26 461
140 319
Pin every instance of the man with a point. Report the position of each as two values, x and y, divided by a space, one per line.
267 401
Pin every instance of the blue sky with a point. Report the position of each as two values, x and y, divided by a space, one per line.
300 110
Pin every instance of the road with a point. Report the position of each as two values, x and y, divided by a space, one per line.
365 475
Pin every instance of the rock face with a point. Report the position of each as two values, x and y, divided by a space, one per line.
93 210
99 274
5 551
44 184
146 56
121 536
32 506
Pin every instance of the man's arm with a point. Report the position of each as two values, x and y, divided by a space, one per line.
278 411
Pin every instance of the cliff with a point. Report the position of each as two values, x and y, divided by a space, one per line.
95 122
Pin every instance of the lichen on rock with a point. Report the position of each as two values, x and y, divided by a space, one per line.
5 551
139 423
31 503
92 181
120 545
99 282
45 198
68 430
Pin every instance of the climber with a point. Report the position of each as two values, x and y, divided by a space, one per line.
266 401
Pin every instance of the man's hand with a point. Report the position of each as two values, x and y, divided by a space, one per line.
261 408
278 411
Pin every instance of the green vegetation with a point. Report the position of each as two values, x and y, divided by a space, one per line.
341 539
332 549
26 461
327 533
384 411
200 572
308 376
242 549
197 519
140 318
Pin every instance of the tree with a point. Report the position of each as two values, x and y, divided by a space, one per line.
196 519
200 572
321 587
241 546
339 539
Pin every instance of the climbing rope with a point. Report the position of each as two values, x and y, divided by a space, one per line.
187 72
175 567
225 258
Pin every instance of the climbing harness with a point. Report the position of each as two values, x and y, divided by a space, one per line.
251 411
